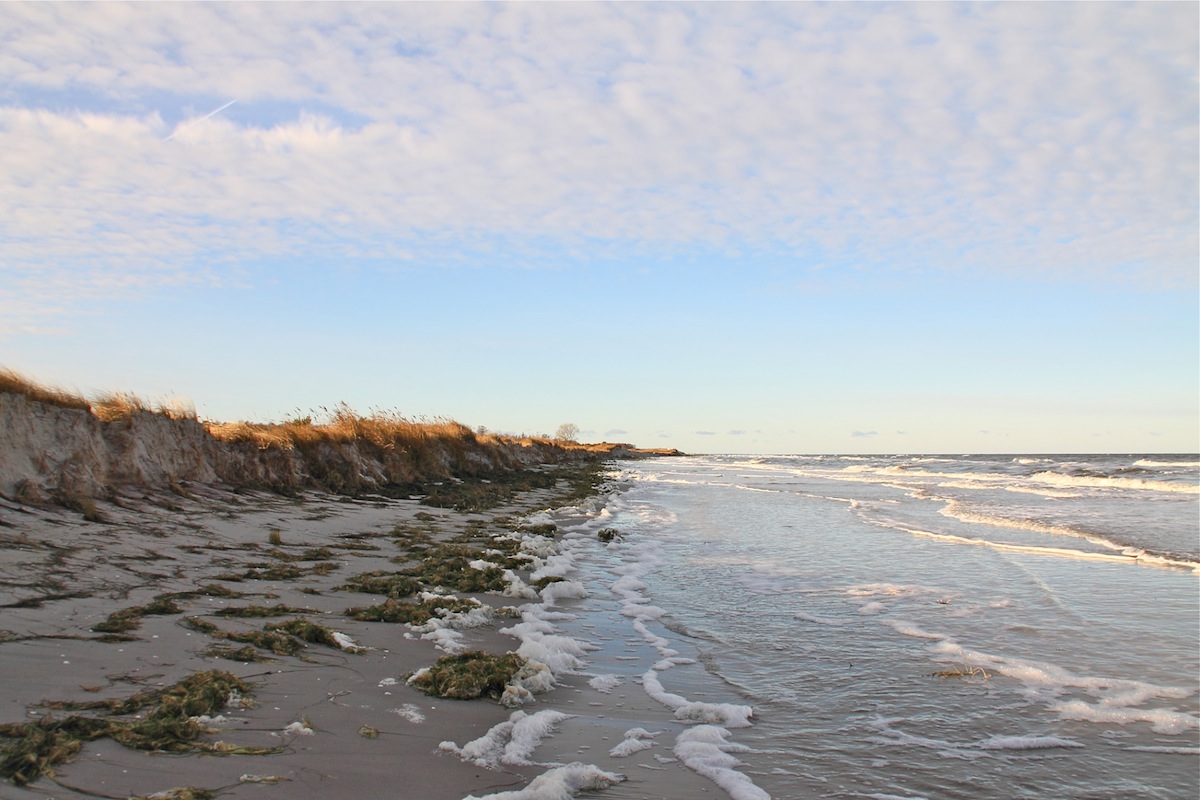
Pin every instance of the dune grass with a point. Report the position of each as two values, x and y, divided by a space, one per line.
387 430
107 406
12 382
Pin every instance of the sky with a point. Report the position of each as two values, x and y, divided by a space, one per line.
742 227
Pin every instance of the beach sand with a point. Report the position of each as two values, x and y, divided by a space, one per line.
345 722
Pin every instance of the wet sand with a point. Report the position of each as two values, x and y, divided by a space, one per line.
60 575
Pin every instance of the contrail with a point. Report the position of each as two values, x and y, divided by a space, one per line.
206 116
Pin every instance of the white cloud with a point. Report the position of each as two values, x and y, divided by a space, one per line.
1027 138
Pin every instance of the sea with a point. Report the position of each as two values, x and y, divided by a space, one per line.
898 626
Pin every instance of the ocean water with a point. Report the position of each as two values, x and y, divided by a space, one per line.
901 627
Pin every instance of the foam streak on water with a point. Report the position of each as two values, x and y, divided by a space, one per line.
985 627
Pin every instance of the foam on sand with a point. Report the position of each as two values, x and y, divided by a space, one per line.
706 749
606 683
636 740
727 714
540 638
559 783
510 742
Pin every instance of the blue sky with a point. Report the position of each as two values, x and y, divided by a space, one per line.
720 227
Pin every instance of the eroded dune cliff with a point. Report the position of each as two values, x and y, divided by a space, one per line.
51 452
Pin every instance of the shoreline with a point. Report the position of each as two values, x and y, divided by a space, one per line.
344 720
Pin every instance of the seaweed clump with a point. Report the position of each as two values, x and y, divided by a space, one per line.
180 793
412 613
468 675
308 631
277 610
481 494
392 584
607 535
127 619
278 643
171 726
453 571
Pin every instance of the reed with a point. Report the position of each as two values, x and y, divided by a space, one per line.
12 382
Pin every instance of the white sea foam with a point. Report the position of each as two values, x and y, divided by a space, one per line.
299 729
528 733
636 740
554 566
955 510
606 683
706 750
1041 491
511 742
895 737
562 590
1128 555
655 690
409 712
1102 482
1146 462
728 714
1161 720
1118 701
1175 751
1025 743
819 620
659 643
532 678
643 612
444 630
559 783
562 654
542 644
910 629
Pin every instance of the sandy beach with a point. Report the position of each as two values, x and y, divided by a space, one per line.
343 719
